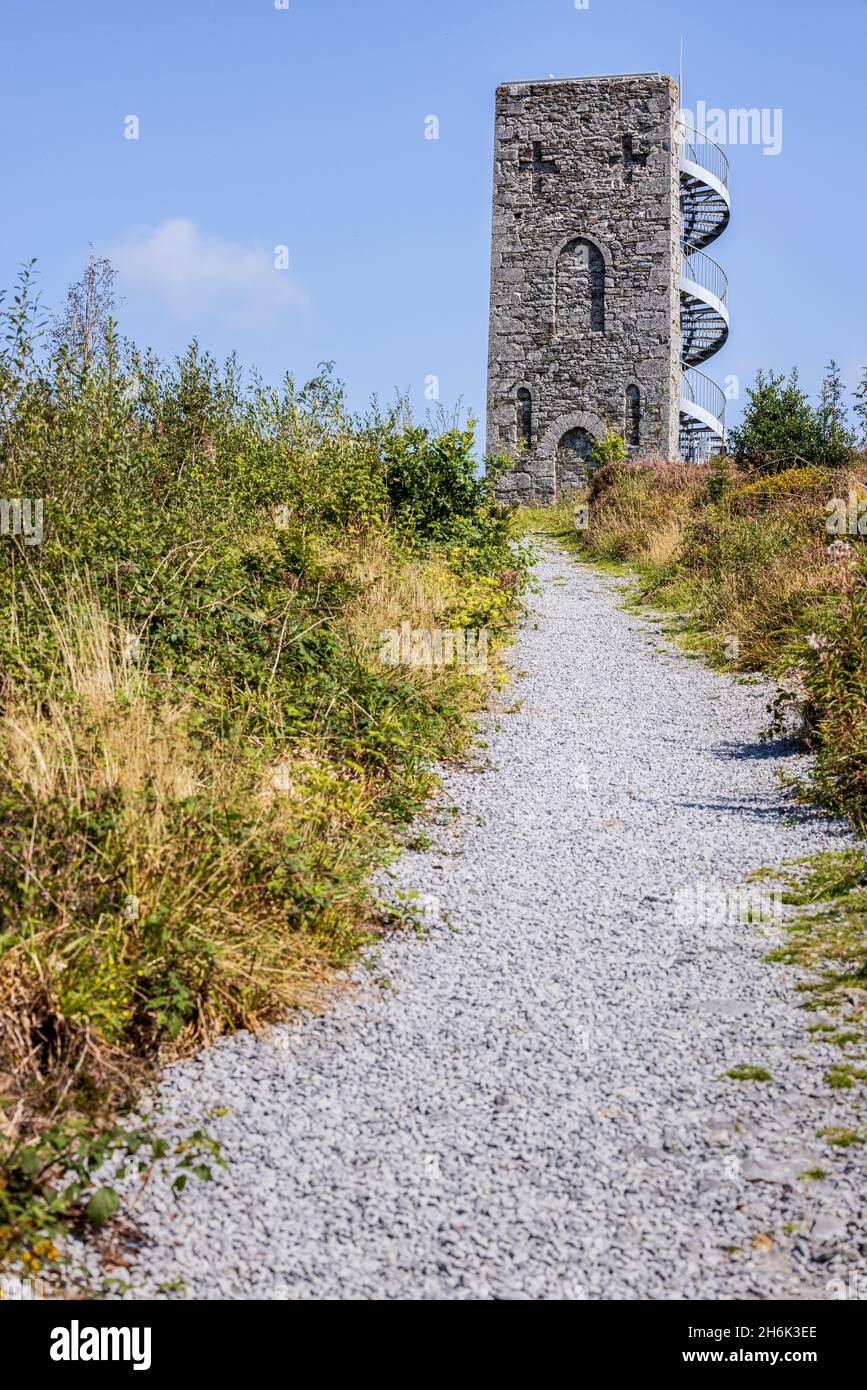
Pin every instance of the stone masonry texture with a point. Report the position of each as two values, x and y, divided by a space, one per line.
584 291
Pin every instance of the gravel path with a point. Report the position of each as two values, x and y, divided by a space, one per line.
534 1106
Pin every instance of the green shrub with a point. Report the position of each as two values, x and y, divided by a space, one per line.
788 482
780 427
609 449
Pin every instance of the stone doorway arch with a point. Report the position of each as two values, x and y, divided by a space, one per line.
564 451
573 459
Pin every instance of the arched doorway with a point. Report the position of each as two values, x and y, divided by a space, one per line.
573 457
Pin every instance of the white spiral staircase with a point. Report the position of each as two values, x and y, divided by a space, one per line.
704 317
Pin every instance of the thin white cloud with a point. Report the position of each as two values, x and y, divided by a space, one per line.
193 274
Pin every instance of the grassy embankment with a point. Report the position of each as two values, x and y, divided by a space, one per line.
749 577
203 751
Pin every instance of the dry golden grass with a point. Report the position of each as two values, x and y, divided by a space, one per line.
390 592
663 543
96 728
750 563
68 990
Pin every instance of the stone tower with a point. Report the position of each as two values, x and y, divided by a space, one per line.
585 302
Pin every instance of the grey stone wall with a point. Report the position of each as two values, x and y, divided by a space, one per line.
584 294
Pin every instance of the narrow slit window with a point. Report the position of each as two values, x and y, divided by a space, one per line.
633 416
525 417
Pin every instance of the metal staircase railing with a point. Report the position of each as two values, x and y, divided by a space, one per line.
694 148
704 318
705 272
702 422
704 315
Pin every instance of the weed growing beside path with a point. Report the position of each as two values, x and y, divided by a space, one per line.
827 937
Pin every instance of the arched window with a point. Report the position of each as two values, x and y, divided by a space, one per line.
579 289
525 417
633 416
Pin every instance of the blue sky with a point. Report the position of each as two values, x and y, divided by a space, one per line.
305 127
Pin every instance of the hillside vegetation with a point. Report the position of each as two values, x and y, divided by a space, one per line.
760 583
204 751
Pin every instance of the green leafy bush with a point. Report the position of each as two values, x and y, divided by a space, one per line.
780 427
609 449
